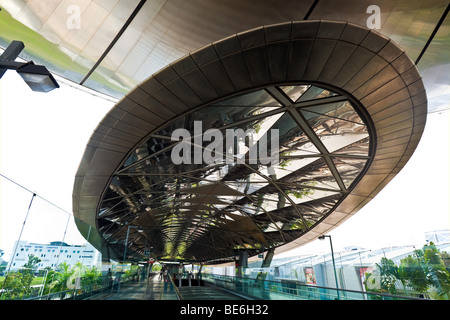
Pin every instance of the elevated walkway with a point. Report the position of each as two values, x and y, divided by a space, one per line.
157 289
219 287
207 293
153 289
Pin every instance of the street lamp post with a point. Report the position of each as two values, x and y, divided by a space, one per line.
322 237
125 251
126 242
37 77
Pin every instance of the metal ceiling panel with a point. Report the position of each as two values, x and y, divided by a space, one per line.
81 40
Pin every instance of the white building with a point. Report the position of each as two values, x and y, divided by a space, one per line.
55 253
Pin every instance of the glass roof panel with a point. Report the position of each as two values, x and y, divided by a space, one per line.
265 202
333 132
315 174
258 98
69 37
305 148
409 23
149 147
291 136
342 110
349 168
359 148
286 167
294 92
157 169
168 129
320 207
231 203
219 116
247 187
308 194
314 92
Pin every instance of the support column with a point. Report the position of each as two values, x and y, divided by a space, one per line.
180 275
199 275
266 263
268 259
241 263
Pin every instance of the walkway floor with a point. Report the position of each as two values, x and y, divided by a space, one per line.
207 293
157 289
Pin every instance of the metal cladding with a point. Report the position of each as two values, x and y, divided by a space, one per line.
371 88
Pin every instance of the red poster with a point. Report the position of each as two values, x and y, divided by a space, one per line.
363 277
310 278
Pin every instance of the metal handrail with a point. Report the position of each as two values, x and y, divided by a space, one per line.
386 295
72 293
180 297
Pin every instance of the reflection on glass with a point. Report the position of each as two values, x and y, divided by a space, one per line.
335 133
69 38
219 116
190 207
349 168
341 110
258 98
315 173
315 93
358 148
294 92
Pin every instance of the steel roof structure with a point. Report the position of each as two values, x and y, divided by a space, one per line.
346 92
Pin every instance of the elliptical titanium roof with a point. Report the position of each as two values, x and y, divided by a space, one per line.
369 72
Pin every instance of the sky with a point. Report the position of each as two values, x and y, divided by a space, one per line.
43 137
42 140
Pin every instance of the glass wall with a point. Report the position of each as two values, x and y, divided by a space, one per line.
404 271
42 251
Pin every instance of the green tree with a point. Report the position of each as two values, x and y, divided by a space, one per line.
438 276
65 277
17 284
413 274
59 278
426 270
388 275
48 280
32 262
91 276
446 260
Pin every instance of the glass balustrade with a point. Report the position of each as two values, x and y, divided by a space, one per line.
291 290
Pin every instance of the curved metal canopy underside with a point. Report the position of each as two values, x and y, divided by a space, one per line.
349 106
